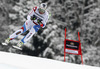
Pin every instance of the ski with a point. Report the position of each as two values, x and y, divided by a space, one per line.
16 47
3 43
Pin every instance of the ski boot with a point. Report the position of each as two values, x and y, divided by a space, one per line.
19 45
7 41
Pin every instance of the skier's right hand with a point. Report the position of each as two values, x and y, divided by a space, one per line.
33 17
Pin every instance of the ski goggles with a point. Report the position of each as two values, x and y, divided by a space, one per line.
41 10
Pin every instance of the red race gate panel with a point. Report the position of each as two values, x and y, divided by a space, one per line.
72 47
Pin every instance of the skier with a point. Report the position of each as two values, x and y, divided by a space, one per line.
35 20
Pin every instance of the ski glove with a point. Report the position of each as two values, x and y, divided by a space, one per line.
33 17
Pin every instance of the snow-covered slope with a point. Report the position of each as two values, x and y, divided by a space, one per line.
15 61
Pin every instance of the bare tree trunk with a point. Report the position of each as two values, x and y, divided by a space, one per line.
82 17
98 3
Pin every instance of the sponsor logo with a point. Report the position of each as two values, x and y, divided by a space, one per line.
71 51
72 43
71 46
18 32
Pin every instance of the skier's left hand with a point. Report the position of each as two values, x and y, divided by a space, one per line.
41 24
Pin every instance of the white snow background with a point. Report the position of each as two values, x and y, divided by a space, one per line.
15 61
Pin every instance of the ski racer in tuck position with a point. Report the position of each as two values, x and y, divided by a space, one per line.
36 19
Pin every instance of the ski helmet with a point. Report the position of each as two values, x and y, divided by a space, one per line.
42 7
